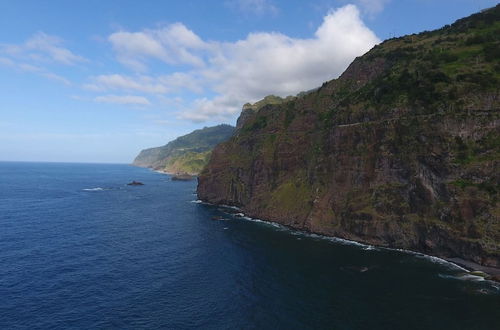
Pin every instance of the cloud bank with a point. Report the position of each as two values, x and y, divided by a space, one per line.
234 73
42 47
174 44
37 52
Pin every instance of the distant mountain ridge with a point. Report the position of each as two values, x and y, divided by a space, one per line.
186 154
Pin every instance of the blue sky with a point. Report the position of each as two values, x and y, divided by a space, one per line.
96 81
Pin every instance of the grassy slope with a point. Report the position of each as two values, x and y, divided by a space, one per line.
188 153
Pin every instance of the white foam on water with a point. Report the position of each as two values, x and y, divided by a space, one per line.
437 260
463 277
228 207
348 242
427 257
472 277
364 246
94 189
298 232
269 223
197 201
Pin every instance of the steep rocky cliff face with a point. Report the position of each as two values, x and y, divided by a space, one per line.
402 150
186 154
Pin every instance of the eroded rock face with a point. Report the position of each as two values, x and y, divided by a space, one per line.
400 151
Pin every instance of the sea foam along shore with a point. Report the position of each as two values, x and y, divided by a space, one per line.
474 271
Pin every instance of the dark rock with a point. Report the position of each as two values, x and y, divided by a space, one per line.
135 183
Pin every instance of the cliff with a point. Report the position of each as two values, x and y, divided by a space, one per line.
402 150
186 154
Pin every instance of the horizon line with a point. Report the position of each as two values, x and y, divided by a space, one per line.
63 162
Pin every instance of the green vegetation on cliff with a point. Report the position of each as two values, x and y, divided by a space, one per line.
401 150
189 162
186 154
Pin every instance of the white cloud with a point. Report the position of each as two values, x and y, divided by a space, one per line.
126 83
258 7
132 48
43 47
25 67
273 63
146 84
55 77
173 44
372 7
123 99
6 61
220 107
40 49
242 71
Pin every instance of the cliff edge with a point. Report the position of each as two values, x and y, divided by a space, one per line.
402 150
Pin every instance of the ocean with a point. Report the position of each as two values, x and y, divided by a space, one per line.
80 249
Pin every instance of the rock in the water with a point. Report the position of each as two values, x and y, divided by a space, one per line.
479 273
135 183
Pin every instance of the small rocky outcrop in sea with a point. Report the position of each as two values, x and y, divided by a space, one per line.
135 183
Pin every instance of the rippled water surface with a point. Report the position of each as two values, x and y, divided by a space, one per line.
81 249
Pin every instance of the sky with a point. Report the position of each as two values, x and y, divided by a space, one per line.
99 80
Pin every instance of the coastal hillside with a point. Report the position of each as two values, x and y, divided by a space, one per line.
186 154
402 150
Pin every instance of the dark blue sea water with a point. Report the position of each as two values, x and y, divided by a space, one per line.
81 249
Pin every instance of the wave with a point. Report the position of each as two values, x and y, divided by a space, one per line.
487 286
94 189
464 277
343 241
438 260
292 231
229 207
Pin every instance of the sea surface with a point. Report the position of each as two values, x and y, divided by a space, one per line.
80 249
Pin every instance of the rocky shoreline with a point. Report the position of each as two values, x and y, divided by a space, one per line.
489 273
176 176
472 268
